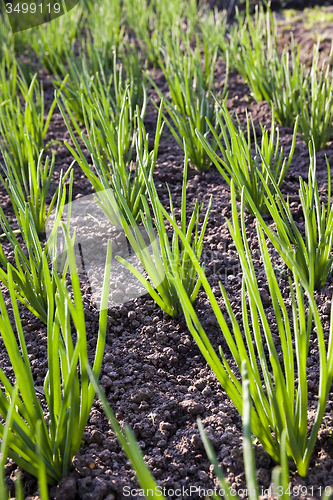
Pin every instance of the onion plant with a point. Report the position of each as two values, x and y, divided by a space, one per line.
316 103
5 438
154 22
166 255
252 46
252 49
18 121
8 75
51 40
84 76
286 84
4 35
288 79
97 46
231 43
213 26
32 190
297 91
191 105
106 28
16 43
197 63
182 17
12 71
277 374
141 17
131 63
34 443
236 161
110 146
28 274
190 87
313 251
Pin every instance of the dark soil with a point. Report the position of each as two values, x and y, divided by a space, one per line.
154 375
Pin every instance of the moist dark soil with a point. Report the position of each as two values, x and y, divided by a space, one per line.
154 376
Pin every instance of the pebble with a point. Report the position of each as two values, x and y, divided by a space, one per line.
200 384
149 329
109 358
97 437
196 442
106 381
147 320
165 426
326 308
211 321
30 327
141 395
207 391
203 476
192 407
265 298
